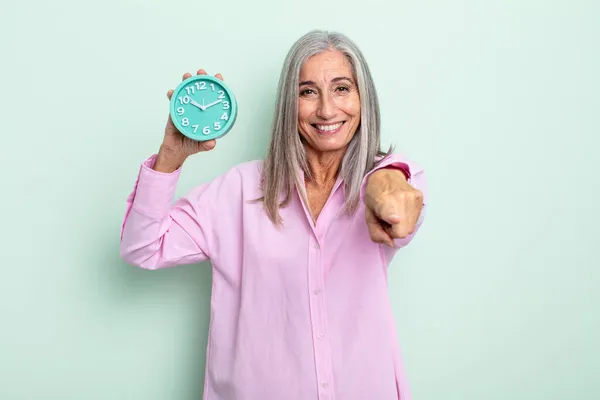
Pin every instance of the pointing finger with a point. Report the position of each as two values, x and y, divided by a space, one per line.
376 230
379 235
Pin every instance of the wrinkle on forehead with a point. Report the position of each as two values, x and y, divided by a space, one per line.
324 67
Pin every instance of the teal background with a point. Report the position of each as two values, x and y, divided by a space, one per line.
496 299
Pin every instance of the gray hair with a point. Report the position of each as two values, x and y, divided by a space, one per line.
286 154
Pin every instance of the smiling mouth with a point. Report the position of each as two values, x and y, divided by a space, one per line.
328 128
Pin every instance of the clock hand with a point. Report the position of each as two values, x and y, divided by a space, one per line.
212 104
200 106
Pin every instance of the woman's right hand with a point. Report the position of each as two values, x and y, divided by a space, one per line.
176 148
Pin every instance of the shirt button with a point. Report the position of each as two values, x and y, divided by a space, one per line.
321 335
317 291
324 384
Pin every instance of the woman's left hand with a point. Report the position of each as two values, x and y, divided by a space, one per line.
393 206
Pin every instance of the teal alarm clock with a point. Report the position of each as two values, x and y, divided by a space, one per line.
203 108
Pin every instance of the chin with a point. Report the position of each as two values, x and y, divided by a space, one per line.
330 146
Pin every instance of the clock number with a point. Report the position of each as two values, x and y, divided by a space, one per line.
212 85
184 99
180 111
221 94
206 130
201 85
185 122
217 125
225 105
195 128
225 116
190 90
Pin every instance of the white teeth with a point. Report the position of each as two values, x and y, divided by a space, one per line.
328 128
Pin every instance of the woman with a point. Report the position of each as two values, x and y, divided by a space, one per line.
299 243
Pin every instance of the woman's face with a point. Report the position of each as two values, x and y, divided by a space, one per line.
329 103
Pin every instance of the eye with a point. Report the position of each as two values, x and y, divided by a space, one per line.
343 88
306 92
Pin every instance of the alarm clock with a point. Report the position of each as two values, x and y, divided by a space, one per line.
203 108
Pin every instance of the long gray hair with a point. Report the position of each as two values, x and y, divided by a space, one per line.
287 156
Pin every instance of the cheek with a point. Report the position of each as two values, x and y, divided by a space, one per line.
304 111
351 106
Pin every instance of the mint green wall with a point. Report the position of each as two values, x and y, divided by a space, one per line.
496 299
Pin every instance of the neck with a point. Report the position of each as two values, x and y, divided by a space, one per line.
324 166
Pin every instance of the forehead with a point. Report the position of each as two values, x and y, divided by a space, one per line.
325 65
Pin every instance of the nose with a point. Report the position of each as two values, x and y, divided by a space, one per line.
326 107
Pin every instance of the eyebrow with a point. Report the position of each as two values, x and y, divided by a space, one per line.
334 80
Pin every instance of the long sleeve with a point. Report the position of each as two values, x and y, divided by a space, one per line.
157 233
416 178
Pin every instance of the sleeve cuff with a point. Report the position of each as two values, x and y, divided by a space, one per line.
155 191
403 167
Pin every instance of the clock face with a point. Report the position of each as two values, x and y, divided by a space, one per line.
203 108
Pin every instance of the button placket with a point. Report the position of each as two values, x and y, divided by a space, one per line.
318 317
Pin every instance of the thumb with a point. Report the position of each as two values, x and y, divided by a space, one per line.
389 214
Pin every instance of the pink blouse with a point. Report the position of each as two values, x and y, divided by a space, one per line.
299 312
